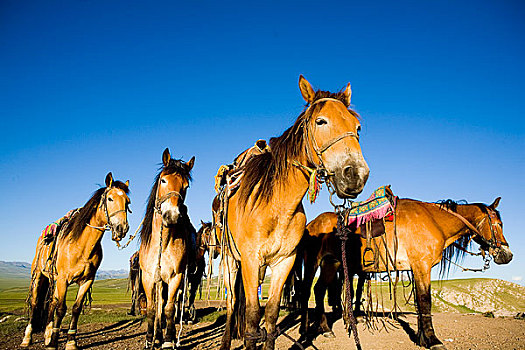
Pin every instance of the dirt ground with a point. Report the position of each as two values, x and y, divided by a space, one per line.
457 331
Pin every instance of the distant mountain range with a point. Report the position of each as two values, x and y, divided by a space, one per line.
17 269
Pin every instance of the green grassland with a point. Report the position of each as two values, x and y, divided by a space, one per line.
111 299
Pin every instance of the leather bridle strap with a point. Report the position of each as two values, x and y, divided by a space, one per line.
337 139
164 198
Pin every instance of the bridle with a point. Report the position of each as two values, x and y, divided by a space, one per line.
320 173
493 243
162 199
109 225
321 169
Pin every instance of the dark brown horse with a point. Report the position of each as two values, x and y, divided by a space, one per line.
426 234
74 257
265 219
138 299
165 243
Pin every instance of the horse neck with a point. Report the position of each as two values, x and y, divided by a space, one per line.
458 228
92 236
470 212
290 190
168 233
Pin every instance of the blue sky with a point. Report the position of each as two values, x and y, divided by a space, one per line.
89 87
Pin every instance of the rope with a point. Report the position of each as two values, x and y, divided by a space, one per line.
131 238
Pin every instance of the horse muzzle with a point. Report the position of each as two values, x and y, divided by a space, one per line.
119 231
502 255
170 217
350 179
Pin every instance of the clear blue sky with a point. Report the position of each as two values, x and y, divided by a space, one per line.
88 87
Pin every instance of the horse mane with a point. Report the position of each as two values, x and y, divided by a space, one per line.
78 222
268 168
174 166
455 253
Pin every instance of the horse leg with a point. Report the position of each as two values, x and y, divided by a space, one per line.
426 335
280 273
169 311
60 305
359 293
309 272
75 313
328 273
250 278
36 285
230 274
149 291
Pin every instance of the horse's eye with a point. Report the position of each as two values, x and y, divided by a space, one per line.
110 199
162 181
321 121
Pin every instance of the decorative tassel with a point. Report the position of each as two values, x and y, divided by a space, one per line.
314 187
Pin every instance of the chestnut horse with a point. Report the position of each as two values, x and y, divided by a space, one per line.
426 234
75 257
165 242
265 219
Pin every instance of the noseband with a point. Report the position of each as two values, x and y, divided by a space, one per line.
164 198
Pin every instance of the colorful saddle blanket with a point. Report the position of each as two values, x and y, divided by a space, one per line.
378 206
51 230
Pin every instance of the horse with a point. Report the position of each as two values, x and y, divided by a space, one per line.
265 219
195 278
165 244
74 257
135 285
427 234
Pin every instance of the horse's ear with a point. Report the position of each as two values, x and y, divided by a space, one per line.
166 157
191 162
127 183
348 94
307 90
495 204
202 222
109 179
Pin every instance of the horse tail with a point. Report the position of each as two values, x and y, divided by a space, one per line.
40 311
239 308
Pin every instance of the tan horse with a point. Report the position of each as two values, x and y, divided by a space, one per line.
75 258
265 218
426 233
165 240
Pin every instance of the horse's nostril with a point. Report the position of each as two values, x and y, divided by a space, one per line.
349 172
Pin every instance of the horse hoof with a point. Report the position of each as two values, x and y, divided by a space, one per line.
71 345
329 334
168 345
438 347
25 343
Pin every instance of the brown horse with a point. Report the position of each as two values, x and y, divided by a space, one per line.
74 257
426 234
165 241
265 219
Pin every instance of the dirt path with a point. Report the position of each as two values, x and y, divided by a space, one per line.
457 331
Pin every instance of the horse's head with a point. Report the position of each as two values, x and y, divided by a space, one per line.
490 227
172 183
114 206
332 139
206 240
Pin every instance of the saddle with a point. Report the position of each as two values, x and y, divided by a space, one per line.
230 176
367 218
